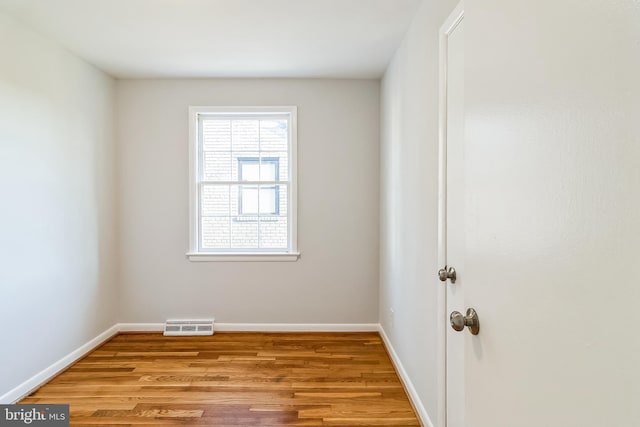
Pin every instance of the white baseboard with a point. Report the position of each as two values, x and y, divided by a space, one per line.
404 377
296 327
262 327
140 327
46 374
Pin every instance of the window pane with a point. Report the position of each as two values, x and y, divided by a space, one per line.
268 170
216 134
217 166
214 200
239 159
249 200
250 171
273 135
245 135
215 232
268 200
283 195
273 232
244 232
235 200
280 162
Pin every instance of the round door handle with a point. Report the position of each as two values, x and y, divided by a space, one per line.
447 273
459 321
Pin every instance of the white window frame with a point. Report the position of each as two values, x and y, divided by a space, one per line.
194 253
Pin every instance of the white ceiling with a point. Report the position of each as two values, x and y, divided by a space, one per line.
224 38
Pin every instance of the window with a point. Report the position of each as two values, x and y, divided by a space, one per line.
243 186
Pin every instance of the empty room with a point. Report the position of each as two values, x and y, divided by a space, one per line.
320 213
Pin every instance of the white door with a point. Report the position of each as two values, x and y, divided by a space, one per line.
551 213
452 210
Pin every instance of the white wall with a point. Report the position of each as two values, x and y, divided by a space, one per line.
57 286
336 279
409 190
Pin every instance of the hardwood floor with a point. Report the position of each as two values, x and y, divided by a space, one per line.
234 379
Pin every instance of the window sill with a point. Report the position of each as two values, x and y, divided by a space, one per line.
242 257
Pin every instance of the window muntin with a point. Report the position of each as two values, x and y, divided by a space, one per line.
243 189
